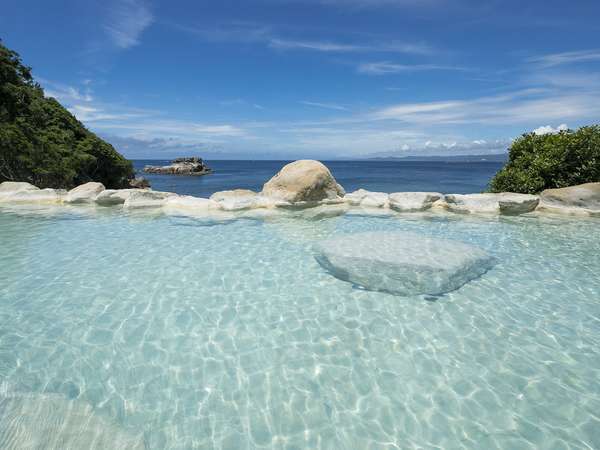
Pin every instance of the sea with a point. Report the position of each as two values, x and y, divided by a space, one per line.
450 176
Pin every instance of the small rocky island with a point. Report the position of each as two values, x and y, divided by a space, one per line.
181 166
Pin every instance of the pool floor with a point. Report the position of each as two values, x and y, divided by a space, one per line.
190 334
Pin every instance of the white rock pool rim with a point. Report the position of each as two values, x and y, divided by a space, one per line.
309 184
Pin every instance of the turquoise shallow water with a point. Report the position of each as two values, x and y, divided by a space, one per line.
231 335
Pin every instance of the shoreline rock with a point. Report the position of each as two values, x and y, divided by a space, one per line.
304 180
84 193
507 203
583 199
309 186
413 201
139 183
181 166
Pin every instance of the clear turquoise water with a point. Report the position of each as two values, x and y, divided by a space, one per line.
231 335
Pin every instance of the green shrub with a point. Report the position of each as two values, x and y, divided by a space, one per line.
43 143
538 162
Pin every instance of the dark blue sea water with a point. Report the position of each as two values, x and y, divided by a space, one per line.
387 176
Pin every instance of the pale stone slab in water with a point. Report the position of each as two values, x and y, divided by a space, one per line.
51 422
10 187
147 199
413 201
33 196
236 199
403 263
503 203
323 212
190 202
84 193
367 199
582 199
241 199
111 197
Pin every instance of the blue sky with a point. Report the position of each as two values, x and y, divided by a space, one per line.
313 78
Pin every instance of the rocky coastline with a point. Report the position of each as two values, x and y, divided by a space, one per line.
181 166
308 189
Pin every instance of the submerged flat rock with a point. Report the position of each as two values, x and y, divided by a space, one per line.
403 263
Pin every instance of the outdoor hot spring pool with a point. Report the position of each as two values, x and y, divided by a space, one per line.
163 332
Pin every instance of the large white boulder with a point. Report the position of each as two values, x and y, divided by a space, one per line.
402 263
33 196
367 199
197 208
8 188
303 181
413 201
503 203
240 199
188 202
581 199
49 421
236 199
142 198
84 193
111 197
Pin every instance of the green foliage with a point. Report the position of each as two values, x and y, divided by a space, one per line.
550 161
43 143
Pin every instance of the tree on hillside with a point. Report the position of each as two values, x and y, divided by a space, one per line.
43 143
538 162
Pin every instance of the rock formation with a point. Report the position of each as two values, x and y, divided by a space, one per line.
305 181
403 263
413 201
84 193
582 199
504 203
181 166
310 186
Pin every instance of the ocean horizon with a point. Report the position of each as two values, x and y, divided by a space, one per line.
383 175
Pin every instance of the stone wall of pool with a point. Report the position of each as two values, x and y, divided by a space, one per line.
307 189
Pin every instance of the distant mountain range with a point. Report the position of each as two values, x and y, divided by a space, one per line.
498 157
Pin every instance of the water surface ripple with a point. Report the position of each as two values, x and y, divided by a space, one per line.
233 337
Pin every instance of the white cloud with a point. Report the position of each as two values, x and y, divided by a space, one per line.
556 59
126 22
240 102
518 107
65 93
94 114
465 147
386 67
370 3
329 46
325 105
404 111
312 45
148 128
251 33
547 129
